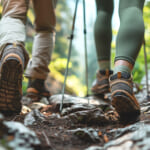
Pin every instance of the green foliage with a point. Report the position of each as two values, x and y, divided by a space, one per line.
24 85
73 83
63 26
59 58
28 47
4 145
138 71
139 68
0 11
60 54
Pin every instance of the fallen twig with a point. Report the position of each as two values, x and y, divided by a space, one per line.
46 138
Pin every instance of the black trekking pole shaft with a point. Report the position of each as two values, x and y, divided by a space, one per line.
146 68
85 47
69 54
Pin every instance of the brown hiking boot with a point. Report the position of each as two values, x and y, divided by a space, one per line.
123 98
101 84
11 70
37 89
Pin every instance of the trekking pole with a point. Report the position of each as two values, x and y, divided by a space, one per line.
69 54
146 68
85 47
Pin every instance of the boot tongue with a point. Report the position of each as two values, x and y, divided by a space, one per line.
106 72
120 75
125 75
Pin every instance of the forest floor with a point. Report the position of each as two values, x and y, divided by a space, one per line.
88 123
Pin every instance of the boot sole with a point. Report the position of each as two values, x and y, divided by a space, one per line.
10 86
125 106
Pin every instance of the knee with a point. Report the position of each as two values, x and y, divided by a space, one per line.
45 28
43 24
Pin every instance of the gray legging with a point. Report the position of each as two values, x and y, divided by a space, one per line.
131 31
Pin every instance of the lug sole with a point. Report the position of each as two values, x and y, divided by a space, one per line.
125 106
11 86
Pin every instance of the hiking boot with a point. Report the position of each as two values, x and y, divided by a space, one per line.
37 89
101 84
11 70
123 98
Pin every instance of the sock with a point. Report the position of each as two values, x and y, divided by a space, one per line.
103 65
122 68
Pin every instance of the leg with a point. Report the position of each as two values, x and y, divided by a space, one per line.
103 32
131 33
129 40
44 40
12 24
103 37
37 69
12 54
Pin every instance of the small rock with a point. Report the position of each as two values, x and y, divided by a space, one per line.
75 108
94 148
3 148
88 135
112 115
25 109
90 117
56 116
44 100
23 138
26 100
122 131
103 103
145 108
47 109
68 101
33 118
133 137
37 105
127 145
145 104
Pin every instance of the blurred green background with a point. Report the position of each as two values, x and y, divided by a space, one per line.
76 76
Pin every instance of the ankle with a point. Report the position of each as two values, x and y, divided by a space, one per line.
106 72
121 75
104 64
123 66
38 83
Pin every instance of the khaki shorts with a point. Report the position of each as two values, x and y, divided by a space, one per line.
12 30
44 10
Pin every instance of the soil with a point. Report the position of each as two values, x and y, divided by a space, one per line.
55 132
